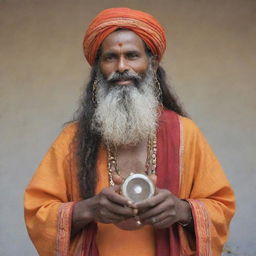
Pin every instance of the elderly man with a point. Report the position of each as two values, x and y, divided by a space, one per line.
128 122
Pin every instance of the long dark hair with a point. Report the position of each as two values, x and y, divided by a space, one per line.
87 141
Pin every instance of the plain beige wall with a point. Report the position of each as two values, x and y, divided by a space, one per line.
210 60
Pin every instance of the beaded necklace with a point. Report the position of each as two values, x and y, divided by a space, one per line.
150 164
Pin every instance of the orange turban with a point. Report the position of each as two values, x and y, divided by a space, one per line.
109 20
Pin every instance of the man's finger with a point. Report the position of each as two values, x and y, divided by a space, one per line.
117 179
124 211
153 178
112 195
110 217
165 223
152 212
153 219
151 202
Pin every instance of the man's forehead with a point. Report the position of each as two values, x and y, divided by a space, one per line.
123 39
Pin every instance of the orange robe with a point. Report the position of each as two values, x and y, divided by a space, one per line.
53 190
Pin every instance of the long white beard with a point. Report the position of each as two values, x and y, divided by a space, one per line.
126 114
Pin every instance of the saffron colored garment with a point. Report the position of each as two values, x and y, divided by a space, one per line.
53 190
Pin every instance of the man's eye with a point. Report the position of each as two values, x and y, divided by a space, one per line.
109 57
133 55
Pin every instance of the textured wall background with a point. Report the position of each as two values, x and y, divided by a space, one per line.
210 60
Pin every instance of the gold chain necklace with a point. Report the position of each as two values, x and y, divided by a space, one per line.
150 161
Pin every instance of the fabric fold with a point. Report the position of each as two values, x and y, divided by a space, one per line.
89 245
64 223
186 166
202 227
168 176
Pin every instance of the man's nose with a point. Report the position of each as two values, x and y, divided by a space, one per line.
122 65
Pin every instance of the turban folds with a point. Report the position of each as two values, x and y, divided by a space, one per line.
109 20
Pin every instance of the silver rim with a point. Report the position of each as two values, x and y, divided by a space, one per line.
135 176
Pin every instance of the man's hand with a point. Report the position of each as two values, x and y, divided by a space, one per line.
106 207
110 207
163 210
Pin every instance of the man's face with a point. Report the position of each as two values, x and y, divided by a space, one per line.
126 111
123 51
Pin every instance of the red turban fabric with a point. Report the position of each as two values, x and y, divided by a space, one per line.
109 20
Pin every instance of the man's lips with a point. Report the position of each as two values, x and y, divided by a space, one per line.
123 82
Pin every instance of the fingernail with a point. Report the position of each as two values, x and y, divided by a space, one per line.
135 211
138 222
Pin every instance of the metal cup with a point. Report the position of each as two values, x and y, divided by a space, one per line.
137 187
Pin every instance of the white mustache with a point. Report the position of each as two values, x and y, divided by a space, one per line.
128 75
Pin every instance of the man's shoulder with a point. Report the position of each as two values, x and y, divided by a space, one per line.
70 129
186 123
191 132
66 136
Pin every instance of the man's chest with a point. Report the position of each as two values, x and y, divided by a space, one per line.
132 160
